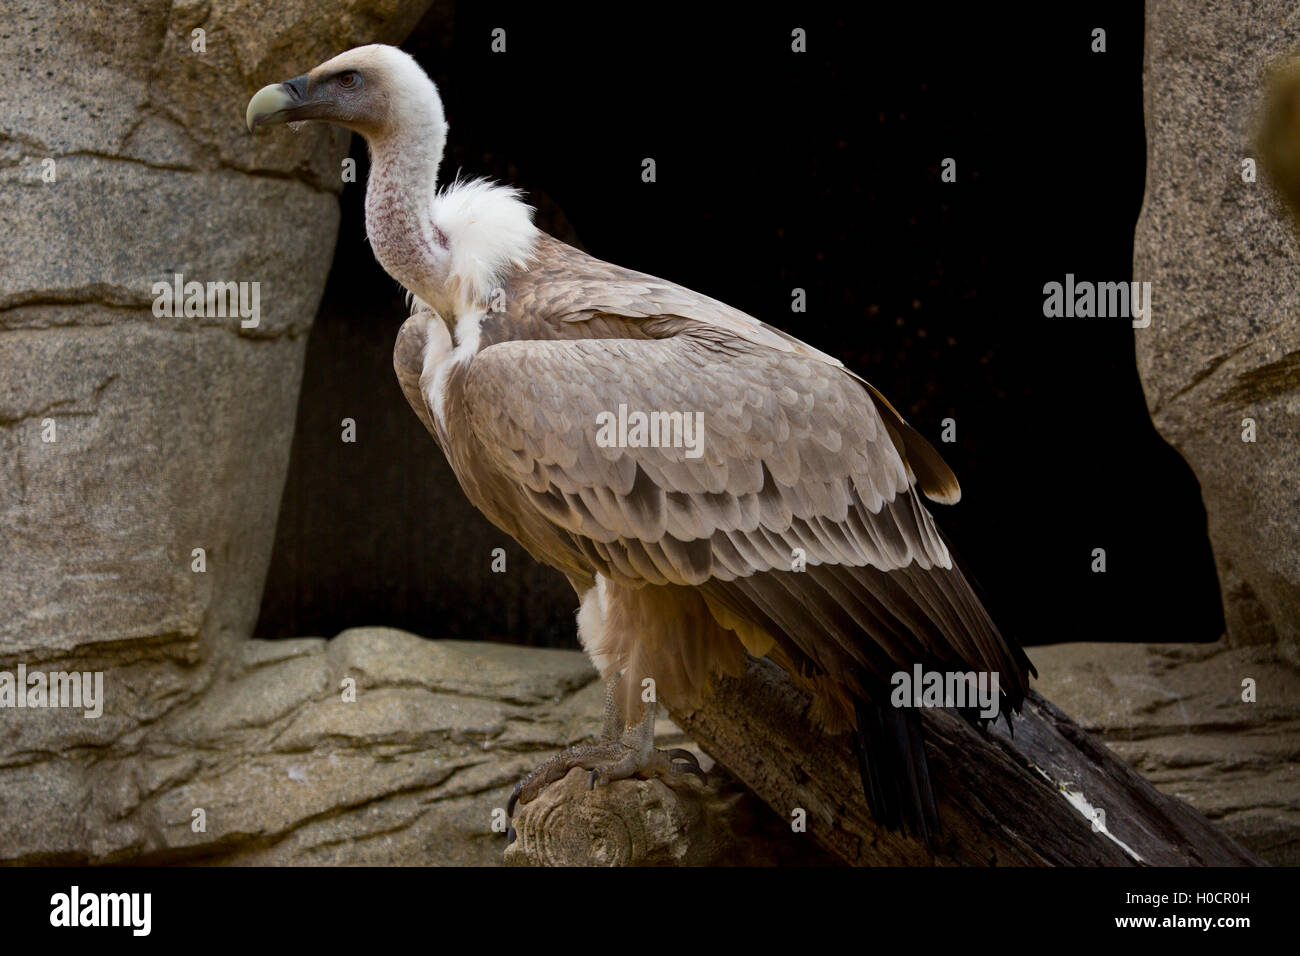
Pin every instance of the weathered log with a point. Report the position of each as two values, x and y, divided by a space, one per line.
1043 794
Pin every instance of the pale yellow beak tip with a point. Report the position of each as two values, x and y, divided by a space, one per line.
265 103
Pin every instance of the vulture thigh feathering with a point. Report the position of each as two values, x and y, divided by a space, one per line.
794 531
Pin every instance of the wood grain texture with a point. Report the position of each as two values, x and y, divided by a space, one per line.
1001 797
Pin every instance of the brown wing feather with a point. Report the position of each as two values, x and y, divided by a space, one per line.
797 460
569 286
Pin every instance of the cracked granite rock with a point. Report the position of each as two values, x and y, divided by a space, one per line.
1222 353
124 162
377 747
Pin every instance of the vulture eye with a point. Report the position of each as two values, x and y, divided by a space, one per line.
347 80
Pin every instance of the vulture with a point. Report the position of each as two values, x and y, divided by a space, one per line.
772 506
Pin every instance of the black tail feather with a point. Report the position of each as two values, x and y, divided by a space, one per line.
895 772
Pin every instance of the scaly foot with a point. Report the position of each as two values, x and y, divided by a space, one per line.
614 757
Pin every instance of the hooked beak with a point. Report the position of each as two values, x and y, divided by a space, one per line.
285 102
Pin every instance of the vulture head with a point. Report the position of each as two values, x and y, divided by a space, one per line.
449 248
374 90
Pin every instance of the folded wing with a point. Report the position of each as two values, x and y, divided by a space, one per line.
792 508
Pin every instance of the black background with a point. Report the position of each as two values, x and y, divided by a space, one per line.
778 170
944 908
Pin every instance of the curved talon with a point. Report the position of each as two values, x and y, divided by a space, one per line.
514 799
510 836
694 769
591 779
677 753
683 761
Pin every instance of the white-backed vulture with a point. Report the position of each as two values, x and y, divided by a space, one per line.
521 349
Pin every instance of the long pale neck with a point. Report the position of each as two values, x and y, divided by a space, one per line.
399 205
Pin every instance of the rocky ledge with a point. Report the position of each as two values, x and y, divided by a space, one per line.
380 747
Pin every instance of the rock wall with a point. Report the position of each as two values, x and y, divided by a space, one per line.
1223 348
129 437
376 747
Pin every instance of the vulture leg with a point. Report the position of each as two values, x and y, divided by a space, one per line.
619 754
612 729
637 757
